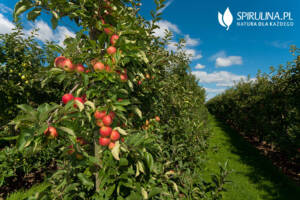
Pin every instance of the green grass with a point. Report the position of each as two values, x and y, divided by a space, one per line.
253 177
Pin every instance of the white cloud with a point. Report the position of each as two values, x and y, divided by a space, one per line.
281 44
62 33
225 84
228 61
193 54
166 5
6 26
172 46
190 41
221 77
199 66
5 9
215 90
218 54
163 26
211 92
225 61
45 33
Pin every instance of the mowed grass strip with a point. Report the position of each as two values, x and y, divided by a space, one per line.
253 176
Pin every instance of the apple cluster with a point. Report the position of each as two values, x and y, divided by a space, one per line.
98 66
67 65
108 136
68 97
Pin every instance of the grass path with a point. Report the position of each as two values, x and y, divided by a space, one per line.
253 176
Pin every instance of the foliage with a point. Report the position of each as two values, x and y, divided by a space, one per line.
22 59
267 108
33 193
159 109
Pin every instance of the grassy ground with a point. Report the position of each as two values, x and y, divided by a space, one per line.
253 176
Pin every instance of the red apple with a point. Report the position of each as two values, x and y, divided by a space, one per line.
107 120
58 62
114 39
99 123
111 145
139 82
99 114
107 68
79 156
120 99
66 98
80 68
111 50
84 97
123 77
87 71
77 99
104 141
112 114
81 141
108 31
115 135
99 66
67 65
72 150
157 118
51 131
122 140
105 131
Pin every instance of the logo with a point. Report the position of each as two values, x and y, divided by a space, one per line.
226 19
256 19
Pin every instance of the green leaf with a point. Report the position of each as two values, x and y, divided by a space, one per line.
144 193
149 160
121 131
79 105
123 91
123 162
60 78
124 102
91 104
33 14
116 151
26 108
85 79
67 130
9 138
154 191
21 7
23 141
85 180
141 167
56 70
54 22
110 190
137 111
130 84
143 56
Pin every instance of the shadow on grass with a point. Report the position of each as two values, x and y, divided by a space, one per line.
262 171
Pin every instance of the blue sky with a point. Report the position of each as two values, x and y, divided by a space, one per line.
221 56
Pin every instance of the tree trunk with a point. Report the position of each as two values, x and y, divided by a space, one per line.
97 156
